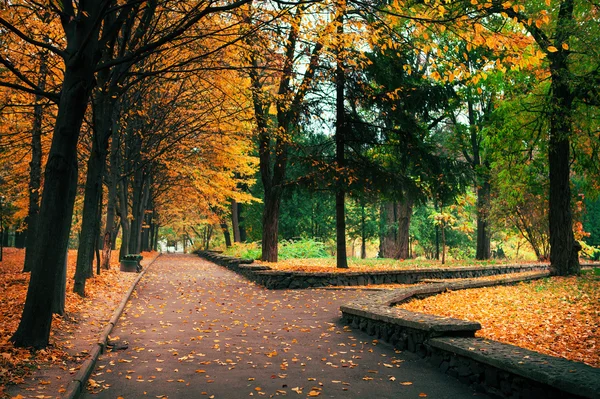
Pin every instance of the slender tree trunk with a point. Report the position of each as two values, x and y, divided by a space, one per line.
35 167
241 225
60 186
483 233
443 229
363 233
124 218
235 221
90 223
340 142
110 233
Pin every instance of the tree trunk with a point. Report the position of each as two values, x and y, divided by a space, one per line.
483 233
270 223
90 223
443 229
394 240
124 218
35 167
363 233
226 234
340 142
111 208
564 257
60 186
235 221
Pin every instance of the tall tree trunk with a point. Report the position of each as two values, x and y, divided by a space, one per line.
564 257
35 167
90 223
111 227
124 217
340 142
235 221
363 233
270 223
241 225
483 234
60 184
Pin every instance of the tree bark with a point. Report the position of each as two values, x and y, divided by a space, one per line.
483 234
564 257
111 227
226 234
35 167
270 223
90 223
340 142
394 240
60 183
235 221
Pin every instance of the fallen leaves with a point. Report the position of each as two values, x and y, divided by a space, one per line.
558 316
104 292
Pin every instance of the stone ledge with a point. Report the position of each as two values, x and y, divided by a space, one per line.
498 369
574 378
277 279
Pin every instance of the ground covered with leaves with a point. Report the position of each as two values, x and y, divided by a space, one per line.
558 316
72 333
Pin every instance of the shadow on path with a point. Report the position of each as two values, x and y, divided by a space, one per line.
196 330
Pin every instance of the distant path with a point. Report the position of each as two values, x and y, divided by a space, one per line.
196 330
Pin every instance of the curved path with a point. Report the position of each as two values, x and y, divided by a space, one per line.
196 330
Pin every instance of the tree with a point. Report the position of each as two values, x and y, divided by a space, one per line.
276 132
87 27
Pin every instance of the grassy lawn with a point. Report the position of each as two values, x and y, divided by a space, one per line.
559 316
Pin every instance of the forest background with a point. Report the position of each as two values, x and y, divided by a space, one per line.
415 126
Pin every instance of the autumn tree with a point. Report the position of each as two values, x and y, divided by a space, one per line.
86 28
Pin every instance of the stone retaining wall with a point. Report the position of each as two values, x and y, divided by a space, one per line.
274 279
500 370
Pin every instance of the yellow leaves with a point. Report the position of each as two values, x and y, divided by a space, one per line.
406 383
556 320
552 49
565 46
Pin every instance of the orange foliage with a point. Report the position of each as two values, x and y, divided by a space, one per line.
559 316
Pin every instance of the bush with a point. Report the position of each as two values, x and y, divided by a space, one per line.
298 249
302 249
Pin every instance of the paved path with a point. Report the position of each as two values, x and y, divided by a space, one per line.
196 330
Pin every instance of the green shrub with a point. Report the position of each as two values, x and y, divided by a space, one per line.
292 249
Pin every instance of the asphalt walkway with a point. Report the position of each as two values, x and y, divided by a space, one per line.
196 330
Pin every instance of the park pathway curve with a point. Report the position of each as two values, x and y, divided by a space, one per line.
196 330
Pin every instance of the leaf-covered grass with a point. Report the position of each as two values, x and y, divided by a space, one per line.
559 316
104 292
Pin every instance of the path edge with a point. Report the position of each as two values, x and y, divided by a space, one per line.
77 384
